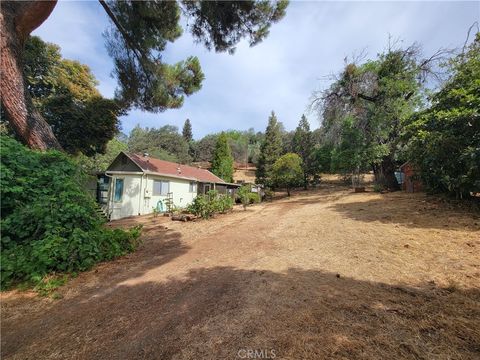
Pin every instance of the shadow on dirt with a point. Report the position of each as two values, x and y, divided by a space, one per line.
409 210
212 313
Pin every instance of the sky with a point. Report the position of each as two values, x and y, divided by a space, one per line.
308 44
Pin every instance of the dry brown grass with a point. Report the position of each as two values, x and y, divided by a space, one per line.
324 274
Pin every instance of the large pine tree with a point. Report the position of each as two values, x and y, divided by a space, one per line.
302 145
136 40
222 163
270 151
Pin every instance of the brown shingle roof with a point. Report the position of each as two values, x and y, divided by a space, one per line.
167 168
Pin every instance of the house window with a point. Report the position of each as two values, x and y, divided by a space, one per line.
193 187
161 187
118 193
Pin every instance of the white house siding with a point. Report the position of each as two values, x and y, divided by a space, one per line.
138 198
129 205
179 188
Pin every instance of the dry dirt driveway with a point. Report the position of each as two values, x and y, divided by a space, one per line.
326 274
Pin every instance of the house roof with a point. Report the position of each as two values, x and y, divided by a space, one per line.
171 169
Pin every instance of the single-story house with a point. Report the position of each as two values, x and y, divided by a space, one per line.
137 184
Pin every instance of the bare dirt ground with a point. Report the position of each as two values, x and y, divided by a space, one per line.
325 274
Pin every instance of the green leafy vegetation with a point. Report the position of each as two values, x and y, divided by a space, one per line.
246 196
302 144
350 156
222 162
364 110
136 40
205 206
100 162
141 31
270 151
187 131
379 114
49 223
164 143
444 139
287 172
64 91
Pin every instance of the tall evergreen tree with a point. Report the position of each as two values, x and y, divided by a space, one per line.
187 131
222 163
302 145
270 151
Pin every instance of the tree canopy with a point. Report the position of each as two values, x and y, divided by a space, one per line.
136 39
377 97
287 172
444 139
64 91
164 143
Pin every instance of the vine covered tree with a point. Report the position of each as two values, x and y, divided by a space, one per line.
270 150
136 39
378 96
222 162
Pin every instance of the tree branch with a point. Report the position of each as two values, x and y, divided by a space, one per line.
139 54
368 98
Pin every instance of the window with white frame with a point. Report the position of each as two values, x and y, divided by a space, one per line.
161 187
193 187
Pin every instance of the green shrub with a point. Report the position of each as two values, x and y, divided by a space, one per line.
207 205
202 206
224 203
246 196
49 223
254 198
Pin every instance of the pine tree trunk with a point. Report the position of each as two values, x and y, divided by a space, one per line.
17 21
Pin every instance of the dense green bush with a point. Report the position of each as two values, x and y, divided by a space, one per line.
224 203
246 196
444 140
201 206
49 223
287 172
207 205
